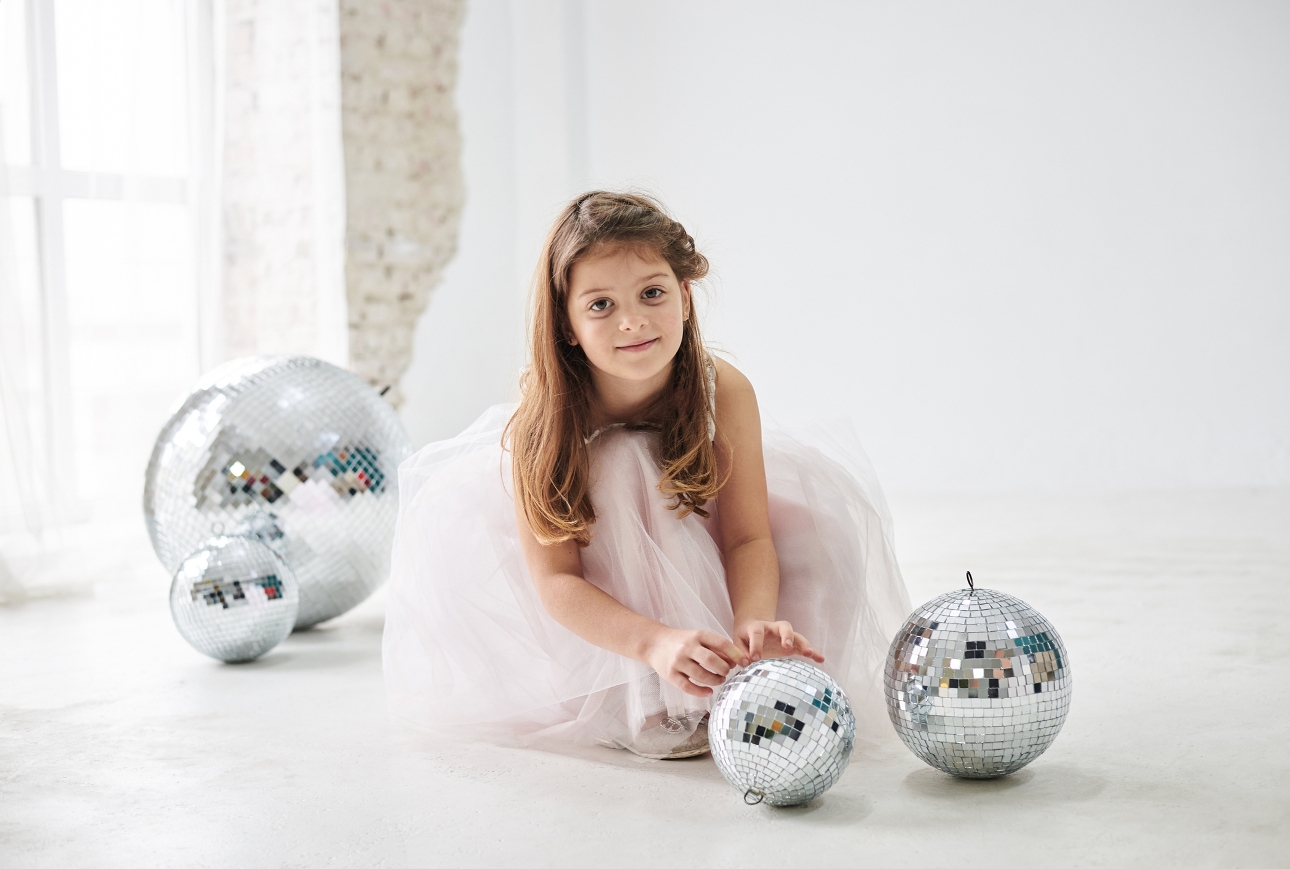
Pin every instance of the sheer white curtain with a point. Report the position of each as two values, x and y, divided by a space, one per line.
26 510
36 505
171 196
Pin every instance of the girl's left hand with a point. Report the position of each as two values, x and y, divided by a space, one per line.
763 639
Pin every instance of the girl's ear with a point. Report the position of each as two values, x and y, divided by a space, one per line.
685 300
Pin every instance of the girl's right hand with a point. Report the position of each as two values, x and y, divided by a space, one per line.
694 660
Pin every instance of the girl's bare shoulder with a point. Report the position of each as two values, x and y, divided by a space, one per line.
734 389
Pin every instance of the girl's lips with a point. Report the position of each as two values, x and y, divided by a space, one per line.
636 348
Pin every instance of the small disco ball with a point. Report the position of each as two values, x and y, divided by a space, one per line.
978 683
295 452
782 732
234 599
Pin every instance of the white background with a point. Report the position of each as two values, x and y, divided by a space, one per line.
1026 247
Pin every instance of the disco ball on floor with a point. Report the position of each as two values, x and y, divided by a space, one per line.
291 451
234 599
977 683
781 731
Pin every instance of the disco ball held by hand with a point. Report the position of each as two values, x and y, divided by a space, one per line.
234 599
977 683
781 731
293 451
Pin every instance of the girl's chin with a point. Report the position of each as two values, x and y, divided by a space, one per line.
631 369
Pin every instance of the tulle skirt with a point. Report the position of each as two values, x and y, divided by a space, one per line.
468 644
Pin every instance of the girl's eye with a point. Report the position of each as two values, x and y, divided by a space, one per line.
600 304
653 292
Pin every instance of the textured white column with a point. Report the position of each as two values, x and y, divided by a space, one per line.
402 172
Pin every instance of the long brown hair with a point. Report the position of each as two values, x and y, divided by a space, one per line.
548 432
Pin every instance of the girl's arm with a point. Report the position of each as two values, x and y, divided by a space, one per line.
752 570
691 660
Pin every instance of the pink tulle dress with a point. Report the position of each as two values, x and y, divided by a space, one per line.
468 644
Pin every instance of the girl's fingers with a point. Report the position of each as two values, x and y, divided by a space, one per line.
801 642
756 636
690 688
678 677
786 634
725 648
698 674
712 662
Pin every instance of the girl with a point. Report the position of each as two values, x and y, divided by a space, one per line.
589 566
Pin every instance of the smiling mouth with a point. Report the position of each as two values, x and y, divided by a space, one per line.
641 346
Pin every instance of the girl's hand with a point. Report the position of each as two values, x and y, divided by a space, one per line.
762 639
694 660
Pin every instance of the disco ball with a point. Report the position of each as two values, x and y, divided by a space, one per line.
234 599
978 683
782 732
295 452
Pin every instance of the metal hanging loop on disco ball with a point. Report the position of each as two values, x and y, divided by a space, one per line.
977 682
781 731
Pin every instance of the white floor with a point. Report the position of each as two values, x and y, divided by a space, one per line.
119 746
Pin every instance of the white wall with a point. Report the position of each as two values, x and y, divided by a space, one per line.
524 138
469 342
1027 247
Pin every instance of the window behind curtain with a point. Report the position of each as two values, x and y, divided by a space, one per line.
100 277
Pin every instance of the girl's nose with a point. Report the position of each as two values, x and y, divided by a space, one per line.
631 322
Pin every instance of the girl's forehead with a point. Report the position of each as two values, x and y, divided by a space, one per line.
617 264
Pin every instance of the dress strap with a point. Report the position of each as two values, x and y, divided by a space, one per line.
712 395
595 434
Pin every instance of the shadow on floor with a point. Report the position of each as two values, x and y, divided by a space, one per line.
834 808
1049 783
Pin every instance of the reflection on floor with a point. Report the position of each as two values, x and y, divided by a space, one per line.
121 746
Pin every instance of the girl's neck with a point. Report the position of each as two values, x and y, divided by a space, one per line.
614 399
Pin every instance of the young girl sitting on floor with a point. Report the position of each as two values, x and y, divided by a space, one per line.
590 565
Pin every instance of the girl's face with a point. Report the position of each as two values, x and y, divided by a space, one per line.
627 311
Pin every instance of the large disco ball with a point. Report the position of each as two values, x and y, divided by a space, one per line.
781 731
978 683
234 599
295 452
